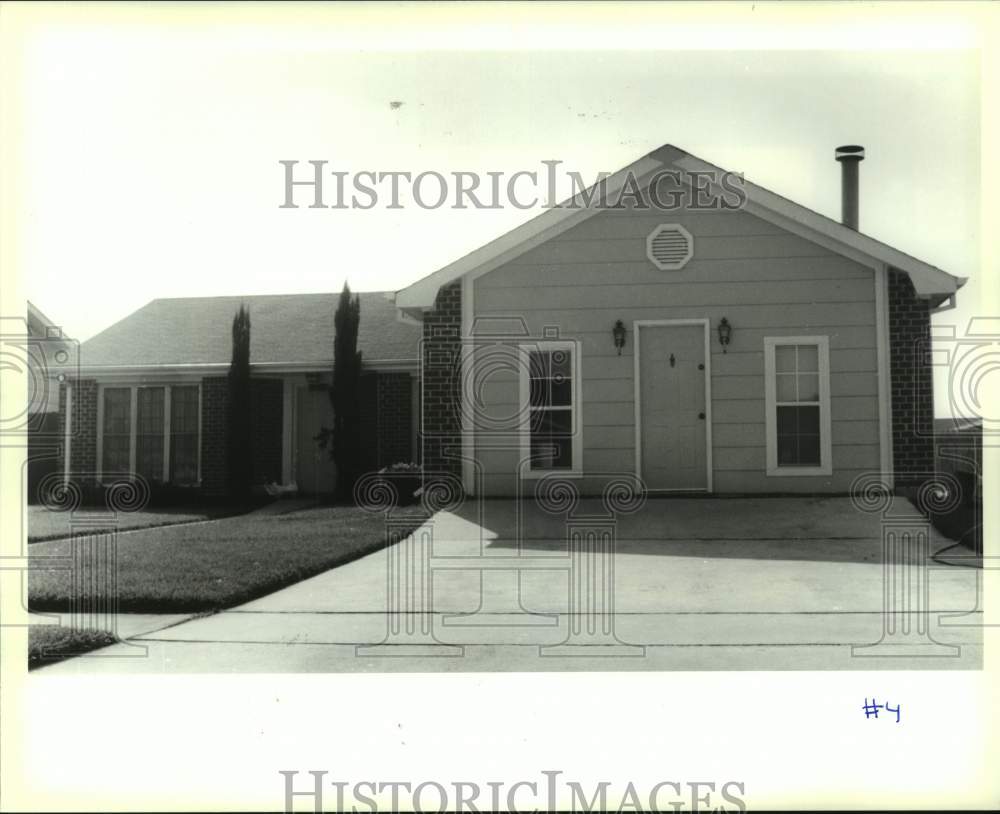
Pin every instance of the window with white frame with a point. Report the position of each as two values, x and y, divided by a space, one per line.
550 384
149 433
150 430
797 391
184 434
117 430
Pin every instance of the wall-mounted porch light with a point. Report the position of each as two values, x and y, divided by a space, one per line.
618 332
725 330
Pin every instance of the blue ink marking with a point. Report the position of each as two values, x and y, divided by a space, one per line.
871 710
890 709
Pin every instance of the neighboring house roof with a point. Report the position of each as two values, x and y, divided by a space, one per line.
41 326
929 281
293 331
49 352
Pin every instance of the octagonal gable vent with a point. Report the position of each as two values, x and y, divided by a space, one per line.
669 246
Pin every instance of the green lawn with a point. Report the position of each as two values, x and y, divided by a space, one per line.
45 524
210 566
48 643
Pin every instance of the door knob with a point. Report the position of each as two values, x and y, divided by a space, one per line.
701 416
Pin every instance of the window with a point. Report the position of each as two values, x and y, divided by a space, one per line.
184 434
797 390
550 381
149 433
152 431
117 430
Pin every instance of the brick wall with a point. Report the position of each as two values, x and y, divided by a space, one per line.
911 381
395 418
83 426
440 426
266 409
214 406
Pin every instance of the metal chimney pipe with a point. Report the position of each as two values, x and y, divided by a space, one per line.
849 156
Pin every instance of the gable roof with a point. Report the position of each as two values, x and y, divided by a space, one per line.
928 281
287 331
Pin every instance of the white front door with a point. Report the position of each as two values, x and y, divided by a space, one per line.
673 429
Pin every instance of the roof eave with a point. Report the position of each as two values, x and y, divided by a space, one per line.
209 368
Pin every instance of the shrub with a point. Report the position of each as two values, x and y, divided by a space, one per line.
239 447
406 477
344 439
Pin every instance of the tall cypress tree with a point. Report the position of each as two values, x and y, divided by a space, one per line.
239 438
345 394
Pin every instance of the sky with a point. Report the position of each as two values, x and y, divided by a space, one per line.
150 152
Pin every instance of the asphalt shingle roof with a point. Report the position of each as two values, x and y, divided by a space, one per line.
284 328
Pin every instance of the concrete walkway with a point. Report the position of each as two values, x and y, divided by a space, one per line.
695 584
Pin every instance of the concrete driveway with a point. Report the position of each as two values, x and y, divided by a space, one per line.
693 584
